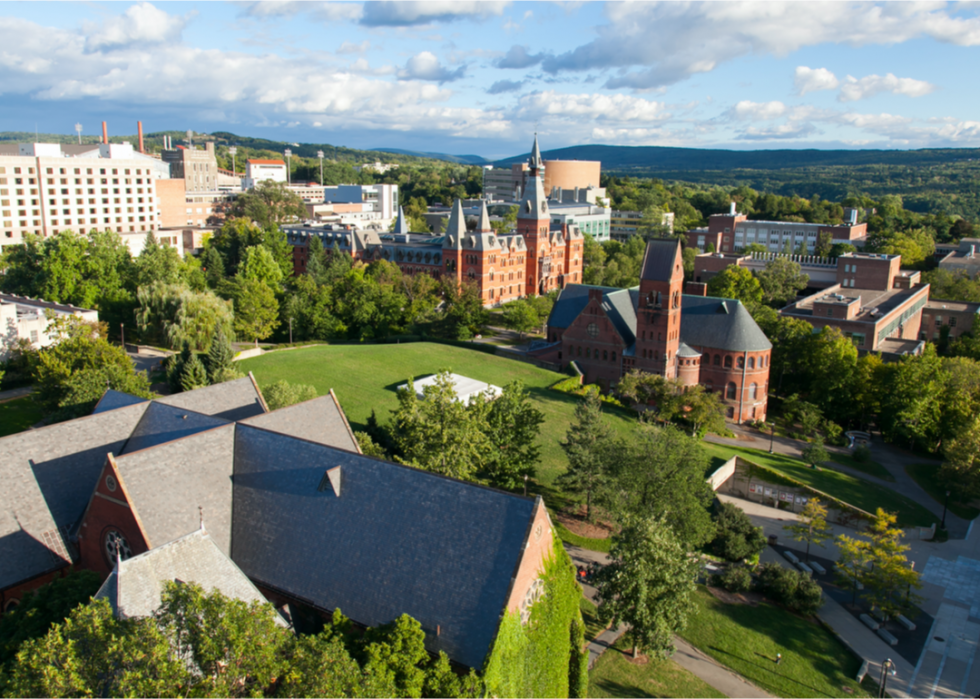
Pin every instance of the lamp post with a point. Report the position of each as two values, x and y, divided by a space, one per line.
290 331
887 668
945 503
78 129
319 154
525 485
772 435
122 333
288 153
233 151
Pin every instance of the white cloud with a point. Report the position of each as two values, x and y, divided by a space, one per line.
854 89
140 24
426 66
321 11
348 47
814 79
600 107
757 111
693 38
409 13
788 131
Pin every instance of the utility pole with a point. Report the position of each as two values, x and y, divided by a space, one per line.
319 154
288 153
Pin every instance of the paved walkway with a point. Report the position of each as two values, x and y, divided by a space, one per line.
14 393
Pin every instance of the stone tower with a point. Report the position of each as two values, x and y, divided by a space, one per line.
658 314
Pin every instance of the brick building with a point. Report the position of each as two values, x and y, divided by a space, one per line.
658 329
542 256
197 167
958 317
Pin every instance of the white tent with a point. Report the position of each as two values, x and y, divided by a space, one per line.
465 387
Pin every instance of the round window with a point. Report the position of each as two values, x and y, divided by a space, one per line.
113 541
593 330
110 483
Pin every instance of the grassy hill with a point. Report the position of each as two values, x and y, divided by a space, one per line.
460 159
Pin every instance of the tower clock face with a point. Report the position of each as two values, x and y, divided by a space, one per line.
593 330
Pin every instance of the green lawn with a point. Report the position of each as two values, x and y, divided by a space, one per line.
615 676
366 377
850 489
747 639
18 414
872 468
926 476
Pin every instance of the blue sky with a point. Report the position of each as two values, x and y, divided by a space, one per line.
482 77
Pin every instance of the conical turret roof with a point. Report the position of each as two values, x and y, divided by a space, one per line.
535 160
456 228
534 205
401 225
484 225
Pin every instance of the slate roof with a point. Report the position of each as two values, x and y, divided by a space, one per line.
686 351
113 399
320 420
619 305
135 586
164 423
397 540
170 482
658 259
231 400
720 323
48 476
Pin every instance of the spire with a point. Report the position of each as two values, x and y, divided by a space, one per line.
534 205
535 160
484 225
401 225
456 228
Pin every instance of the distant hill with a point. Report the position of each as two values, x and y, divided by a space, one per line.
654 159
462 159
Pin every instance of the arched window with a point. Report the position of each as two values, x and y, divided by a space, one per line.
709 387
605 356
751 362
730 413
717 360
587 353
752 389
578 352
728 361
612 357
740 362
731 391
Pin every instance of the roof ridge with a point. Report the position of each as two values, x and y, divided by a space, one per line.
179 439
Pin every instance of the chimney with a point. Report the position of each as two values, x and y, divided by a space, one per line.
105 133
139 130
731 211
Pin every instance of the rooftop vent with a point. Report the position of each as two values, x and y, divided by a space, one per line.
331 480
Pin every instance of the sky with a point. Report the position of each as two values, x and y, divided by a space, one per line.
481 78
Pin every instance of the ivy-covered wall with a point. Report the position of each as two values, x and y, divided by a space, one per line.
545 657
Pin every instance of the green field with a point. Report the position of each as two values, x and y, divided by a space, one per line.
872 468
615 676
18 414
747 639
366 376
850 489
926 475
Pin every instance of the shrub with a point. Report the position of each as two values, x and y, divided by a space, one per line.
736 538
735 579
862 453
808 597
282 393
792 589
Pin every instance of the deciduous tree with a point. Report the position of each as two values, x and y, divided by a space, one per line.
812 526
735 282
513 425
256 309
781 280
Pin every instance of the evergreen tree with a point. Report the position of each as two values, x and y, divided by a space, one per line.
220 356
175 370
213 266
585 446
316 263
193 375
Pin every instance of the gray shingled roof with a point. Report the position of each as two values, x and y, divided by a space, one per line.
685 350
619 305
658 259
164 423
231 400
397 540
113 399
135 587
319 420
170 482
571 300
720 323
48 476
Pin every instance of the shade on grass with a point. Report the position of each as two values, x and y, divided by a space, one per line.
19 414
590 615
927 476
850 489
366 377
872 468
747 639
615 676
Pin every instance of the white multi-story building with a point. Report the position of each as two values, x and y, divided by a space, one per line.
591 219
260 170
44 190
23 318
380 199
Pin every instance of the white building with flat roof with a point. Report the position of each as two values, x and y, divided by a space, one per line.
26 318
260 170
381 200
46 188
466 389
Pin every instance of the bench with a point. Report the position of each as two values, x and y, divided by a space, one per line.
887 637
905 622
817 567
790 556
869 622
804 567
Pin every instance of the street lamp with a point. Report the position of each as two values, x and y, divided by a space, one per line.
945 503
887 668
288 153
319 154
525 485
122 332
233 151
78 129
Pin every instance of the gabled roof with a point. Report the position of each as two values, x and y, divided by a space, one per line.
163 423
113 399
722 324
320 420
659 258
171 484
397 540
135 586
231 400
619 305
48 476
